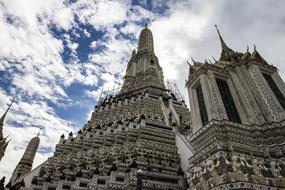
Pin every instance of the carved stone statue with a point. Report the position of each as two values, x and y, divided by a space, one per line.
197 177
237 166
109 159
237 174
276 173
201 183
123 157
275 169
257 176
190 177
215 178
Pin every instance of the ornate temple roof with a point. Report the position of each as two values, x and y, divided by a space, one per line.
228 58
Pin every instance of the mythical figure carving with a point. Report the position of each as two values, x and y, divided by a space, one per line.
237 173
275 170
257 176
201 183
190 178
215 178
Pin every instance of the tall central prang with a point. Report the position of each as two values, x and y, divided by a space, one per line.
143 70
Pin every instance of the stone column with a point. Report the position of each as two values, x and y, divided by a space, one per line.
279 82
255 115
213 99
237 90
195 113
265 97
247 101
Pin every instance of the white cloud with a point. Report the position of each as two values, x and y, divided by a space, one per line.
116 55
86 33
94 94
93 44
64 17
102 13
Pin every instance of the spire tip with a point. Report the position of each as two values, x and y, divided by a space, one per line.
223 44
188 63
193 60
216 26
4 115
39 132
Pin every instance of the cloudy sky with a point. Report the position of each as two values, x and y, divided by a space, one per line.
57 55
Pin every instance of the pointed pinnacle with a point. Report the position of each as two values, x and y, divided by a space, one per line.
8 140
223 44
254 47
247 48
188 63
4 115
193 60
39 132
6 144
133 52
146 25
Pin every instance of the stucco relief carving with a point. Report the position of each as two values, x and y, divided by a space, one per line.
272 106
217 103
247 108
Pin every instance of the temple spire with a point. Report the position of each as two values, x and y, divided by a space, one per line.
223 44
143 69
227 53
26 162
4 115
146 41
3 142
38 134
